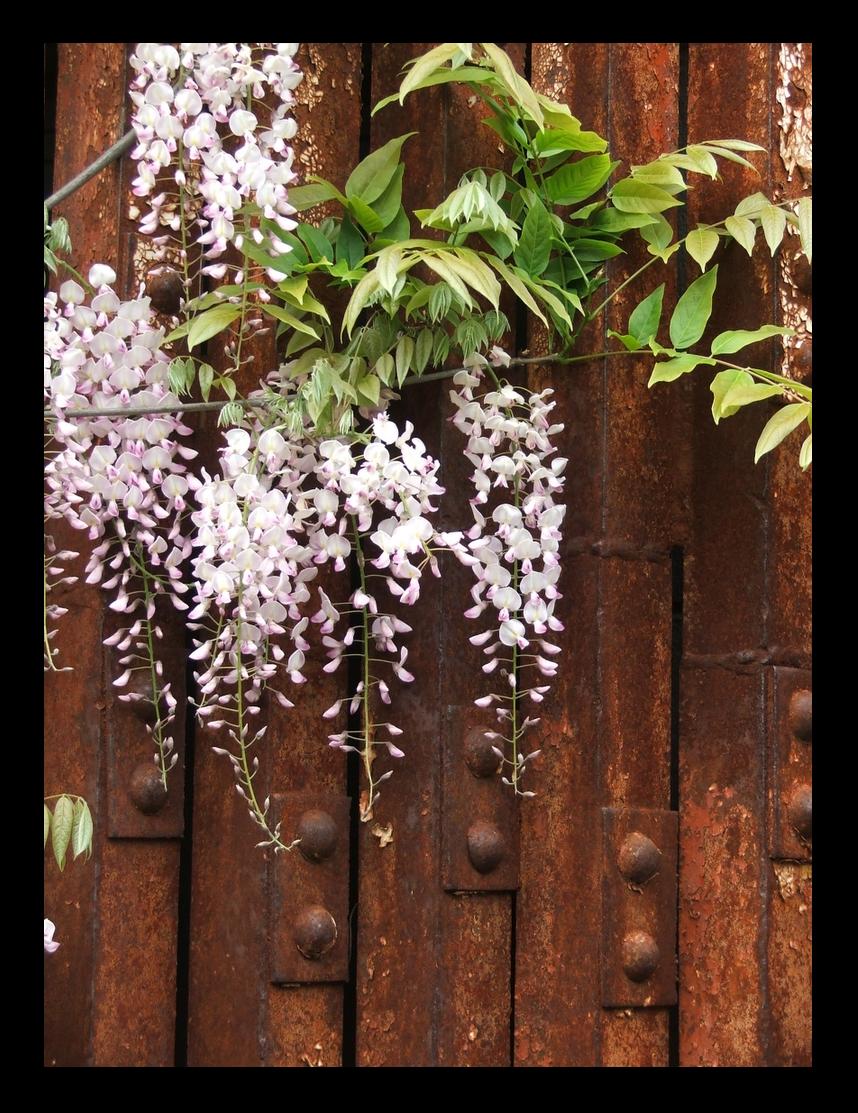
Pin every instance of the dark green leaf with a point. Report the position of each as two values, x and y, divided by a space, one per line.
350 245
370 178
61 829
366 217
578 180
645 318
308 196
610 220
534 245
693 310
318 246
500 244
390 202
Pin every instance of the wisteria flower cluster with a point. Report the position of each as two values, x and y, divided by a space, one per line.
514 549
209 143
122 480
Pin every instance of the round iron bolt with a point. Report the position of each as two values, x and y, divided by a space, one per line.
479 755
486 846
314 931
318 834
800 811
639 858
146 789
164 287
640 956
801 714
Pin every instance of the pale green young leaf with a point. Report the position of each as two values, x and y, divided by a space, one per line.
725 343
81 839
545 295
721 386
366 217
423 66
730 156
736 144
178 332
743 394
773 221
518 288
703 160
47 823
371 177
609 220
780 426
657 233
227 385
476 273
389 264
290 319
578 180
700 245
645 318
210 323
805 226
805 457
384 369
660 173
61 829
554 141
743 231
521 92
206 377
693 310
295 287
631 196
361 294
671 369
629 342
444 270
753 205
534 245
472 74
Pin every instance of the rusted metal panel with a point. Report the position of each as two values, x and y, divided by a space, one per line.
790 964
647 432
638 907
789 723
90 92
558 919
729 96
309 891
723 871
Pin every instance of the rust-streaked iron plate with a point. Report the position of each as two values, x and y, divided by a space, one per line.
789 744
305 894
638 907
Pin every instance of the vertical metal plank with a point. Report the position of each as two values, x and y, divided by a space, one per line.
723 870
789 566
236 1017
90 93
398 930
647 476
557 1007
475 928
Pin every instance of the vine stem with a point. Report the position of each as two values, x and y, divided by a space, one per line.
367 727
158 729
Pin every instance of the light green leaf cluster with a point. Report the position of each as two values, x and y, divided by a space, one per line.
69 825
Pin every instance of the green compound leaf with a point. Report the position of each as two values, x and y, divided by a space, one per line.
693 310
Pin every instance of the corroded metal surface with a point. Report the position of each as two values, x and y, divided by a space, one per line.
789 764
309 892
638 907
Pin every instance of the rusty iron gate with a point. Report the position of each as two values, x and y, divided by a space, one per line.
652 904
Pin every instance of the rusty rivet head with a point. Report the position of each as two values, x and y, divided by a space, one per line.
318 834
639 858
164 287
314 931
486 846
146 789
480 757
640 955
800 811
801 714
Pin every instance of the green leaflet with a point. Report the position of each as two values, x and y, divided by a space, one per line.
534 245
721 386
780 426
645 318
370 178
61 829
210 323
700 245
692 312
579 180
670 369
725 343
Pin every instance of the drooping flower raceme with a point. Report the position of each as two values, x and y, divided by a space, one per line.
122 480
208 145
514 547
